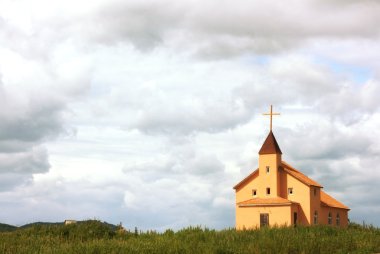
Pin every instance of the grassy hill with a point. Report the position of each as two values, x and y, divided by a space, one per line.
40 223
98 237
6 227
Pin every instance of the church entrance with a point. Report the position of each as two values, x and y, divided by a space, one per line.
264 219
295 218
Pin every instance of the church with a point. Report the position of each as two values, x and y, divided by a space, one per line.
278 194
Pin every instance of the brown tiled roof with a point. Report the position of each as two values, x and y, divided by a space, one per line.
298 175
270 145
250 176
327 200
266 202
288 169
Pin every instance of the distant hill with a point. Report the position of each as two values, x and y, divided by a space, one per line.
9 228
6 227
40 223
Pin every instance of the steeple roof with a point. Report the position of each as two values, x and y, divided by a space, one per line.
270 145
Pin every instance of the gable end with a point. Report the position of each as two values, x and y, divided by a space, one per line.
246 180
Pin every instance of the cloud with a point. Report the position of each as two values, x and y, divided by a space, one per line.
10 180
156 100
276 27
190 115
285 81
30 123
185 188
143 23
324 141
220 28
305 81
212 30
178 163
60 199
289 78
34 161
352 103
34 108
27 116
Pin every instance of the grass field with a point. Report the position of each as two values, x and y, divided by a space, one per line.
96 237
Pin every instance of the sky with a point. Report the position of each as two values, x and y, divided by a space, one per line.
149 112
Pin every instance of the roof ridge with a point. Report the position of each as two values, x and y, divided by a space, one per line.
267 201
300 176
290 167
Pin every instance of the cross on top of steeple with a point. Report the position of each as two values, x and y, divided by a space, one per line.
271 114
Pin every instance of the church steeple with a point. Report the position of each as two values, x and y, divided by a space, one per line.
269 164
270 145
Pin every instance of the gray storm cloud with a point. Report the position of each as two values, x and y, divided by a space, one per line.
29 118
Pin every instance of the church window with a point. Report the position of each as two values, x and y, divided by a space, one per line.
268 191
315 217
267 169
315 191
254 192
329 219
337 219
290 190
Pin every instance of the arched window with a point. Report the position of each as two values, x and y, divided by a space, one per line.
337 219
329 219
315 217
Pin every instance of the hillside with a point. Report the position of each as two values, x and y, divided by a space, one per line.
6 227
40 224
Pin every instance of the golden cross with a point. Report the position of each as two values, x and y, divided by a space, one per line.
271 114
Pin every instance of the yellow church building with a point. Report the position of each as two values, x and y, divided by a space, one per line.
278 194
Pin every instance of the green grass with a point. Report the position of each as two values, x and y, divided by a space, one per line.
96 237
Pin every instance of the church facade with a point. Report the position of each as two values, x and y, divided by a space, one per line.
278 194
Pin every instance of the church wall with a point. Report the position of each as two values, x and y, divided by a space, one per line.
300 195
344 218
295 208
315 205
245 192
249 217
283 185
343 214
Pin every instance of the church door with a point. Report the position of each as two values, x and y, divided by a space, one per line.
264 219
295 218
